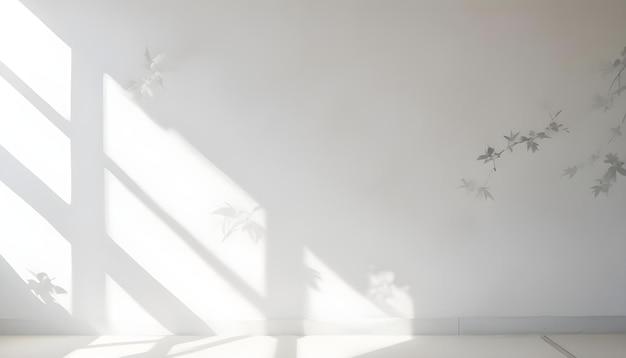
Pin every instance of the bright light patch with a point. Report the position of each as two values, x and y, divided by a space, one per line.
384 291
34 141
121 350
331 298
125 315
200 344
111 340
345 346
183 184
32 246
164 254
258 347
35 54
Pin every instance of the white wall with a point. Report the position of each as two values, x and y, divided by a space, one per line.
350 123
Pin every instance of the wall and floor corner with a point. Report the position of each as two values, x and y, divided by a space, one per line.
233 167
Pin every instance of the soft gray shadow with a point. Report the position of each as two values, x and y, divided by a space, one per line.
160 303
19 301
186 236
34 192
286 346
82 225
38 102
401 350
311 196
43 286
165 344
56 346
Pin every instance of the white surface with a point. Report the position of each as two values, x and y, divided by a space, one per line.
593 346
583 346
351 123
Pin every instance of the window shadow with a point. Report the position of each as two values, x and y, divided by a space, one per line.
229 146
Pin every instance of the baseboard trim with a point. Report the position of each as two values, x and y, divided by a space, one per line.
544 325
42 327
384 326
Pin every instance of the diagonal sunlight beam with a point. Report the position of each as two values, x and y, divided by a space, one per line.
162 253
34 192
160 192
36 55
157 300
330 297
51 208
125 315
27 92
120 266
33 140
32 247
182 181
239 284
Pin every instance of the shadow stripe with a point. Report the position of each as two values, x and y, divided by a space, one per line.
31 96
35 193
556 346
233 279
151 295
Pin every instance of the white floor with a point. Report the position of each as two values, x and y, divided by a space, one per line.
527 346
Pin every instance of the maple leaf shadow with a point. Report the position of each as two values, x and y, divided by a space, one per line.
153 66
313 278
43 287
238 220
384 292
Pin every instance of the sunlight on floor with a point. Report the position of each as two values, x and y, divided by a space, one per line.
108 351
35 142
199 344
340 346
31 246
35 54
345 346
256 346
112 340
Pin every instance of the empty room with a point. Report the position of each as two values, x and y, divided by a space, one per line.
312 178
